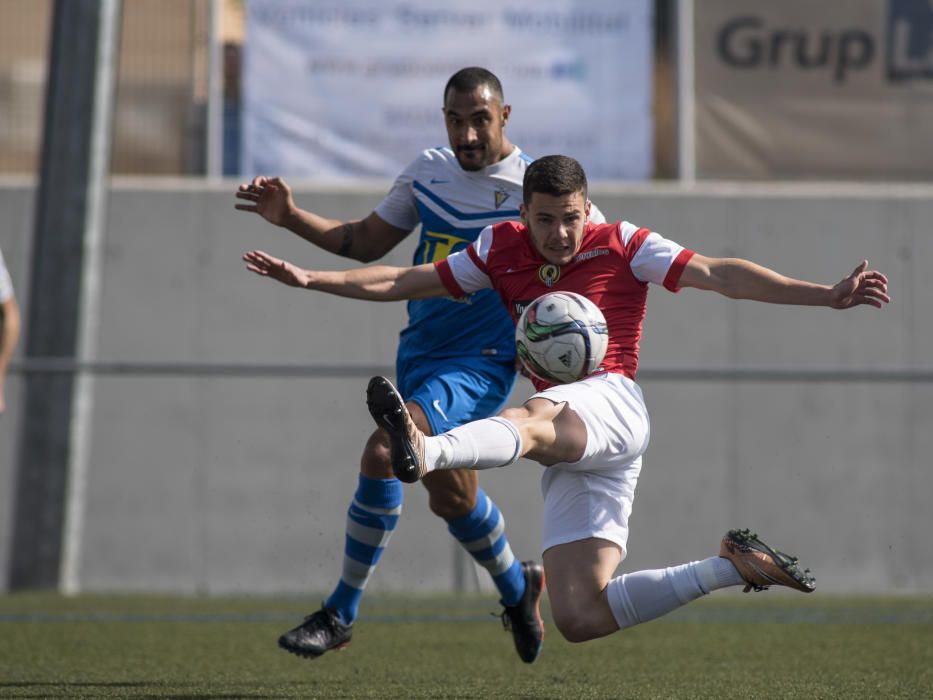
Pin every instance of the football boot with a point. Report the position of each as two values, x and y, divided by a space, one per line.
407 442
524 618
760 566
320 632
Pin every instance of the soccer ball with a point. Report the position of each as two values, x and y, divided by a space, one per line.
561 337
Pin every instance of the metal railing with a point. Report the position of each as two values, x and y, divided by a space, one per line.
312 370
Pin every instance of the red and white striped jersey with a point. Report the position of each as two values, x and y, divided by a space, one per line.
613 267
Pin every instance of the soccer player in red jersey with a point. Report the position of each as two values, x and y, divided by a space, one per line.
590 434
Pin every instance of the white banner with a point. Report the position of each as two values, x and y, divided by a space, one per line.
353 88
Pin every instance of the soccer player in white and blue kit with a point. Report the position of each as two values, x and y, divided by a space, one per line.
456 359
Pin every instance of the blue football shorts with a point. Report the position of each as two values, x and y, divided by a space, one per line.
455 391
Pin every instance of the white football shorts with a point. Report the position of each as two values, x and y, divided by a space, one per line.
593 496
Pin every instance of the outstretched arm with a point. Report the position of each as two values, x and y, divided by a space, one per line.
742 279
375 282
9 333
362 239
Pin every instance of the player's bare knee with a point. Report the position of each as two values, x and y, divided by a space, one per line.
578 616
376 463
575 627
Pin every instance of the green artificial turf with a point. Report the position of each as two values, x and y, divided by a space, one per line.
728 646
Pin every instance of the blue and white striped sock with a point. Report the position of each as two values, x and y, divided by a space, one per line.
482 534
371 519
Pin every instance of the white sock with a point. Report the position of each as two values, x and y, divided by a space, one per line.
645 595
717 572
482 444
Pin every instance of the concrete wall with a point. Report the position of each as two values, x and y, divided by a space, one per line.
221 481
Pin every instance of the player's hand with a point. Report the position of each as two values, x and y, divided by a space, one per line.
266 265
863 286
270 197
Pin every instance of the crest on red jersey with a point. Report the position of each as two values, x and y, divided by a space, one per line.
549 273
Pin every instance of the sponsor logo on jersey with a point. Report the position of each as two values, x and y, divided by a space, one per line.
437 246
501 196
549 273
519 306
595 253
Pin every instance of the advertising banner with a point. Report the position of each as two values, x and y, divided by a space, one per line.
353 88
797 88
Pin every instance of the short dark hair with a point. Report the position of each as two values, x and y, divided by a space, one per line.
553 175
468 79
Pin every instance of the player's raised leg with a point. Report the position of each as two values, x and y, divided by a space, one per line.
543 430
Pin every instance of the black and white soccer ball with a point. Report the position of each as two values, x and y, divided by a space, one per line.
561 337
